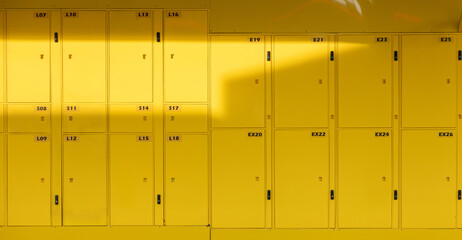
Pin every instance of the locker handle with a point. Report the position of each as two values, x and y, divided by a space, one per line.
158 36
158 199
268 195
459 194
331 194
395 194
56 200
460 55
56 37
268 56
332 55
396 56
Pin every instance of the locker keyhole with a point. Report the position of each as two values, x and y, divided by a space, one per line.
320 179
448 81
256 81
71 180
172 55
42 118
384 179
70 56
42 56
42 180
71 118
172 180
172 118
144 56
257 179
448 179
145 179
320 81
145 118
384 81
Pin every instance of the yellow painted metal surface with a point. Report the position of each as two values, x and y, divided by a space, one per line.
364 81
429 178
29 183
84 180
301 179
29 118
186 179
238 81
186 118
3 189
131 177
364 178
238 178
130 118
84 117
301 83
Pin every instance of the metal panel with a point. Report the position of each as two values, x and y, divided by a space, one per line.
29 180
301 179
28 56
29 118
186 179
237 69
238 179
132 179
364 81
429 179
130 118
84 118
3 189
301 81
186 118
84 180
364 178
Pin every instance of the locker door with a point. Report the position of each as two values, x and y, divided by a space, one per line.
364 81
2 56
301 179
186 118
130 56
2 180
28 56
365 185
28 180
28 118
301 83
238 81
84 118
238 179
186 193
84 56
185 48
429 179
130 118
429 85
132 180
84 184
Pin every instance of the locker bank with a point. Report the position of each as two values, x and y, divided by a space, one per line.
224 120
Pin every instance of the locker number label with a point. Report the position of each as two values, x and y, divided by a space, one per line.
71 139
174 14
71 108
446 39
445 134
318 39
71 14
255 134
41 138
382 134
41 14
173 108
174 138
318 134
144 108
143 14
143 138
41 108
255 39
382 39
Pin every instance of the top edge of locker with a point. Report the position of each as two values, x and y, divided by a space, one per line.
194 4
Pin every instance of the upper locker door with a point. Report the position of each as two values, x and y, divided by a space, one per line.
28 56
185 48
84 56
364 81
429 84
130 56
429 178
301 83
238 81
238 179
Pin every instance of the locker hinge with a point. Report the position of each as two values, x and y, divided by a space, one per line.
332 55
395 194
268 194
158 36
56 199
396 56
56 37
158 199
459 194
332 195
460 55
268 56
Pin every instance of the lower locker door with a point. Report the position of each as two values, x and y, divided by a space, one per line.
364 184
2 180
132 179
238 179
29 180
186 193
84 184
301 179
429 179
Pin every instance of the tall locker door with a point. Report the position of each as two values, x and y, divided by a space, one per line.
2 179
84 184
84 56
238 81
132 182
28 56
301 82
429 179
130 56
238 179
185 48
186 193
301 179
364 81
364 178
29 180
429 84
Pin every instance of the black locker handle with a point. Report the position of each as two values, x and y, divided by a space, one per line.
396 56
56 200
56 37
331 194
268 56
332 55
268 194
459 194
158 36
460 55
395 194
158 198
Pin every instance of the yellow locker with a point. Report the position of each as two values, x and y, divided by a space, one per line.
130 56
132 179
29 118
2 180
2 55
429 84
364 81
28 56
238 81
301 179
429 178
84 117
365 191
301 81
185 48
186 179
238 178
1 117
29 180
130 118
186 118
84 56
84 180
